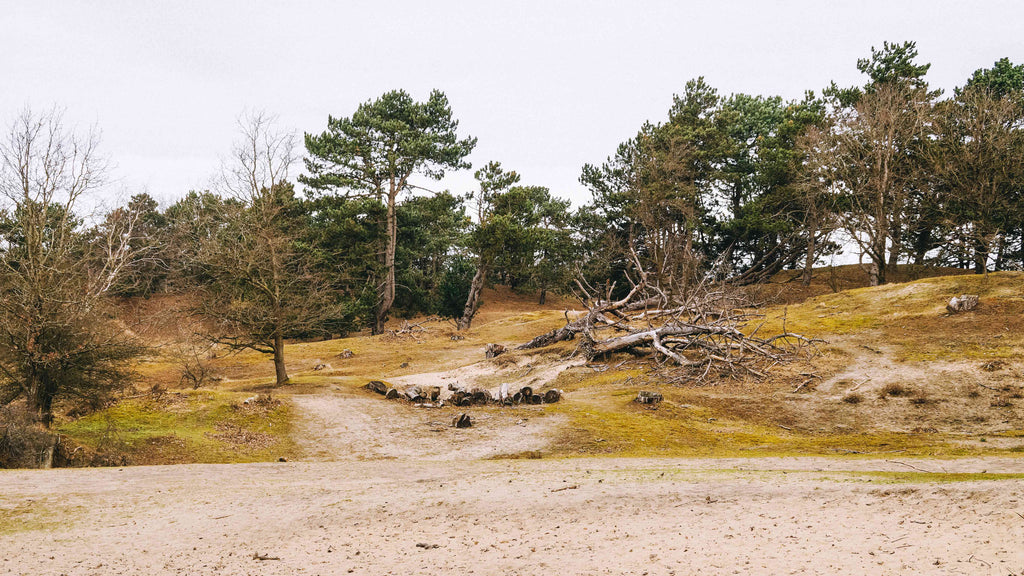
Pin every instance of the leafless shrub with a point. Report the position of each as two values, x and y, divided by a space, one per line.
853 398
895 390
23 441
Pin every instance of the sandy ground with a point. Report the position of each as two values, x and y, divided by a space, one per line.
586 516
367 427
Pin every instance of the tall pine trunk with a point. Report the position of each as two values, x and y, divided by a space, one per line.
388 290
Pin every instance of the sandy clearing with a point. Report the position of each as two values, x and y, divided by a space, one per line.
351 423
367 427
585 516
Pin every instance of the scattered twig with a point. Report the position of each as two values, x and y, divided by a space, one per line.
573 487
972 559
910 466
258 556
859 384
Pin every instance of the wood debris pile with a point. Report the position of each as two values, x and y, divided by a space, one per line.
434 397
707 333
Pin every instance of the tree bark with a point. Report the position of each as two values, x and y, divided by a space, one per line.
473 299
388 290
279 367
980 252
809 262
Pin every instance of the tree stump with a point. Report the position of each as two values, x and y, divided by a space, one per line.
962 303
481 396
377 386
415 394
494 350
552 396
462 421
645 397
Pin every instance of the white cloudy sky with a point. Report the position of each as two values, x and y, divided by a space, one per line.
545 85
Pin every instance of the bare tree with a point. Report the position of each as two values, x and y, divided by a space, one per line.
979 157
56 337
263 289
814 190
877 162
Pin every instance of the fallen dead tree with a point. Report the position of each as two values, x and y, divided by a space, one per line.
432 396
704 332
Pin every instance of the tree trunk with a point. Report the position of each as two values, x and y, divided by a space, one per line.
809 263
894 249
980 255
878 268
279 368
473 300
543 297
388 290
40 398
922 242
1000 253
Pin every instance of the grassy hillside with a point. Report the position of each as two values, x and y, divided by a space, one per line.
893 374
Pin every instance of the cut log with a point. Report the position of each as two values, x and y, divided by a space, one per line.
377 386
526 391
536 399
462 421
962 303
552 396
494 350
433 393
414 394
645 397
517 398
461 398
481 396
503 395
391 394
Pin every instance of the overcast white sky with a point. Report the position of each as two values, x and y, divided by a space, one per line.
545 85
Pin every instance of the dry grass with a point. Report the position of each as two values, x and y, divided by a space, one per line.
957 379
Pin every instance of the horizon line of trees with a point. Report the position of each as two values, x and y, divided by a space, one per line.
734 187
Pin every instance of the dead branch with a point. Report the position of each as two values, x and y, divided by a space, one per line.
702 331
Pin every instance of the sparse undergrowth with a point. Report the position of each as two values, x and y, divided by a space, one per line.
897 376
182 427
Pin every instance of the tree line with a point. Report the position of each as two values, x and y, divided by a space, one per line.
734 187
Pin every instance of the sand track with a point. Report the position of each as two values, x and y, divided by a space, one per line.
587 516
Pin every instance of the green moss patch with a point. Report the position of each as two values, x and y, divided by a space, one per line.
201 426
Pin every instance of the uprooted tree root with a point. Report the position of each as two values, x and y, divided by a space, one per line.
702 334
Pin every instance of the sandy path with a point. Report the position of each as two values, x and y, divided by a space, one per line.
355 424
764 516
367 427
